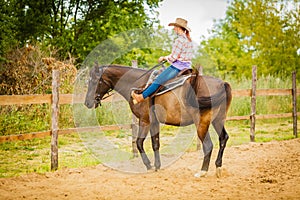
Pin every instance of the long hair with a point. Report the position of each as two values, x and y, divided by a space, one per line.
187 33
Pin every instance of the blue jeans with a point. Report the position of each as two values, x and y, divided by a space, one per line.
163 77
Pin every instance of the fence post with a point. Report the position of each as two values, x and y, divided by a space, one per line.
134 126
253 103
294 93
54 118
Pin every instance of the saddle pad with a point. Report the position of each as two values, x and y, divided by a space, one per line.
174 84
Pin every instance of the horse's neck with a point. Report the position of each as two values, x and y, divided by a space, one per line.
124 79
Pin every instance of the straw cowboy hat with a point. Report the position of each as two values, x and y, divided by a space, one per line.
181 23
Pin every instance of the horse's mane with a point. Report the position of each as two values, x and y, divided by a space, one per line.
140 72
122 67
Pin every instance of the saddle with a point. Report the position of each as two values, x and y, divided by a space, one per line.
176 82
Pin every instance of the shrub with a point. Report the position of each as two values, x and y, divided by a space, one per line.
28 70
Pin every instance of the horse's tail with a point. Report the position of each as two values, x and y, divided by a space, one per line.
216 99
228 95
207 102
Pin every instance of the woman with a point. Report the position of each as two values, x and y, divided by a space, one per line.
180 58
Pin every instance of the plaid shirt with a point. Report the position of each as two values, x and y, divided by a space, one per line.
182 50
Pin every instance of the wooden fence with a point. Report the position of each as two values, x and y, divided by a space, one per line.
56 99
70 99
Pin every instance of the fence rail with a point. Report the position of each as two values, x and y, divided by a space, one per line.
69 99
39 99
264 92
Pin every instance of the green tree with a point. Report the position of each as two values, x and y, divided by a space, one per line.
257 32
72 26
8 25
146 46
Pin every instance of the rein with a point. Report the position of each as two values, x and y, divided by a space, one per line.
159 64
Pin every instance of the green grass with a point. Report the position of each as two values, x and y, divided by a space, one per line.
27 156
265 130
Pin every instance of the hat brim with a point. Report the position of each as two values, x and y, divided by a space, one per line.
175 24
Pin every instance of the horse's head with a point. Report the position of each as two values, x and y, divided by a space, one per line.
97 87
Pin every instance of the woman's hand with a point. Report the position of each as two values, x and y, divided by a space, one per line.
162 58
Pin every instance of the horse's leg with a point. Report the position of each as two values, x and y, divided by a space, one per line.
207 150
202 131
207 147
135 129
142 134
223 137
154 131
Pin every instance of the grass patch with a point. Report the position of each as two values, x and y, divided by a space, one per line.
21 157
271 129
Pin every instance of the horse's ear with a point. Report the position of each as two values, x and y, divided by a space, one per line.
97 72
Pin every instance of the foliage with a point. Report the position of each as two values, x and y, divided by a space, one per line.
72 26
143 45
257 32
29 71
7 26
24 119
146 46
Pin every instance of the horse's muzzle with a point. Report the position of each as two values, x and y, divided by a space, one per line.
89 104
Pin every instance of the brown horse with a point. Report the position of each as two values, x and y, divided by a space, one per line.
201 100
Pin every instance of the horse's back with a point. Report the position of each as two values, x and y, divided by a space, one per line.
207 86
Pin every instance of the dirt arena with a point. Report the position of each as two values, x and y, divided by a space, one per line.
251 171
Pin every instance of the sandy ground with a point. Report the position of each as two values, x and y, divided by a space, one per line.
251 171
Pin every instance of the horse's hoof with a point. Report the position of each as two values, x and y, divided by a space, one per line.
149 167
201 174
219 172
151 170
157 167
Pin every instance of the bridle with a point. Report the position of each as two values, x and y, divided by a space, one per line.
98 97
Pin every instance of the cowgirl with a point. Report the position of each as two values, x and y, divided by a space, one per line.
180 59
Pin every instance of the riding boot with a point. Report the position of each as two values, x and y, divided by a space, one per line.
137 98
